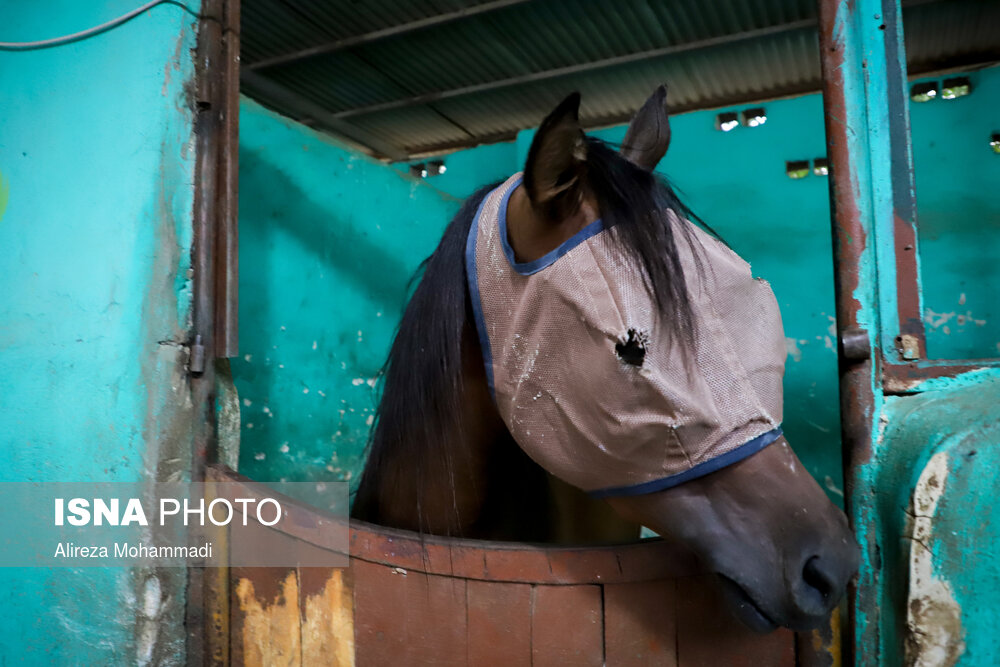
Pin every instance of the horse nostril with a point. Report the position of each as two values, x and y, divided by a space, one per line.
817 577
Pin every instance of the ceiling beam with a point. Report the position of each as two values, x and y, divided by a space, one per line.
915 71
580 68
601 122
291 103
721 40
391 31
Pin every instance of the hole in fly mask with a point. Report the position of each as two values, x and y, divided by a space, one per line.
633 349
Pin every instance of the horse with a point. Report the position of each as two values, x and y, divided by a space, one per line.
447 455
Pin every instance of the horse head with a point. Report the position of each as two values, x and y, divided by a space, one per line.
632 354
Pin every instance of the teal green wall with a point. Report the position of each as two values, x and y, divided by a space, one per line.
958 419
96 168
957 178
328 242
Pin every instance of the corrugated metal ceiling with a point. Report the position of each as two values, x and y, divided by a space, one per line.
401 78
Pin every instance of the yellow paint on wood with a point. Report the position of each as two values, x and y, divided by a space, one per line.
271 632
836 641
276 633
328 625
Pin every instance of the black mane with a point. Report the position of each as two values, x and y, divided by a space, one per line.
422 377
634 204
422 390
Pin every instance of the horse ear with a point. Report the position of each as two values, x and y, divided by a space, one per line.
556 162
648 134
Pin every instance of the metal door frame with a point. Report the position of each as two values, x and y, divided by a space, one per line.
881 338
215 103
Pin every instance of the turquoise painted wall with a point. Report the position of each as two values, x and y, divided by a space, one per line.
329 240
957 175
96 167
954 419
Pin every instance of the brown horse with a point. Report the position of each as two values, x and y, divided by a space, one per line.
445 460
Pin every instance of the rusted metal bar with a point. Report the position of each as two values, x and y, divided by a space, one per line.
854 261
908 378
214 192
227 202
384 33
215 591
214 582
208 130
910 326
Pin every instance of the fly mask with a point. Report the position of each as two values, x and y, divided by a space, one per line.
584 376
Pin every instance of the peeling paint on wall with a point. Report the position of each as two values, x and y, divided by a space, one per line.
329 241
933 617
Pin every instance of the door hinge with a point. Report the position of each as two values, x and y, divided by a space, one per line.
197 363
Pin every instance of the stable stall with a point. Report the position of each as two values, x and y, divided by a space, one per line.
443 118
245 224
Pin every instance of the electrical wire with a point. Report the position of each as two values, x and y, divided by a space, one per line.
90 32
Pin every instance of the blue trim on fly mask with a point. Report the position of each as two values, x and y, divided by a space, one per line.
472 275
523 268
745 450
549 258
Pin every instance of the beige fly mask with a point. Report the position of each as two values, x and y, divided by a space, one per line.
588 386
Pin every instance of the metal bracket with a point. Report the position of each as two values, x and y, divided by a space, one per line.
909 346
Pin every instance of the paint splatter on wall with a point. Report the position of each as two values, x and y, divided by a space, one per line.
328 243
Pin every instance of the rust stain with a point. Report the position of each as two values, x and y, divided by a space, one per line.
824 649
328 625
271 630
